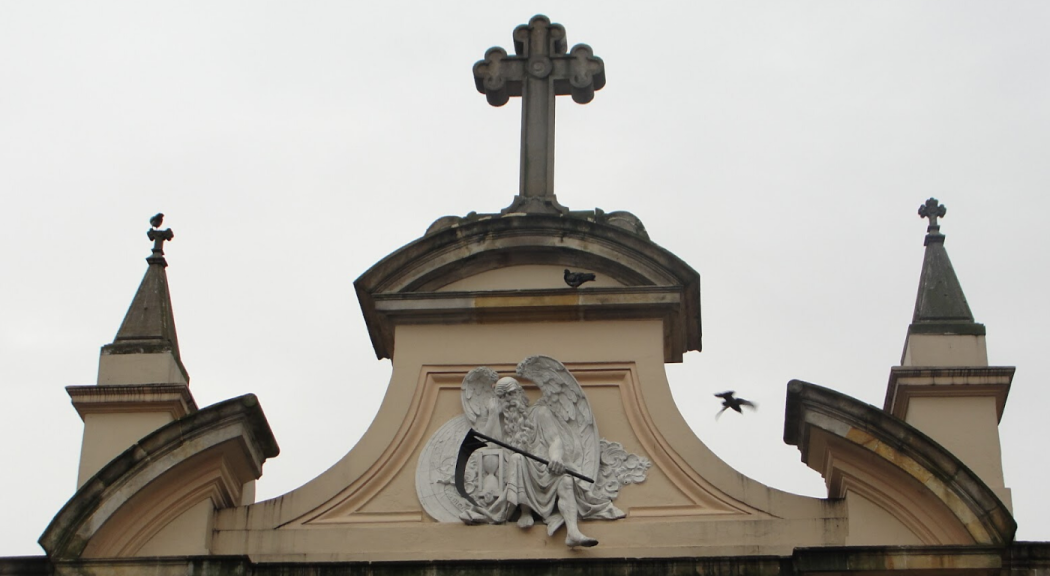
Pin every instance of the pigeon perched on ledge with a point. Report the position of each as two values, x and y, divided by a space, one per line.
574 279
730 401
157 220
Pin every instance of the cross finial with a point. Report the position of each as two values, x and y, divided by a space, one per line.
540 70
933 210
158 237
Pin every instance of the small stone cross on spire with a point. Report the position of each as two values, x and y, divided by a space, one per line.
158 237
540 70
933 210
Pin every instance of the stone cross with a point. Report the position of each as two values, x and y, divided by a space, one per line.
540 70
932 209
159 237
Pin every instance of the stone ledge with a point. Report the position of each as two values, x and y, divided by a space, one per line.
926 560
174 399
25 566
911 382
1019 559
550 305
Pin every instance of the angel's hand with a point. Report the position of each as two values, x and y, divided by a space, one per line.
556 467
488 419
492 407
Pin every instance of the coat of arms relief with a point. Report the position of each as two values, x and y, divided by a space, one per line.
521 462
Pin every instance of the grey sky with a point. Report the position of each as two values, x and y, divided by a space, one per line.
781 149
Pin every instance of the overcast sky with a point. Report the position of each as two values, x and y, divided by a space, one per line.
781 149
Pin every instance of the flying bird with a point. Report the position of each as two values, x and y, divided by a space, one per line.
157 220
731 401
574 279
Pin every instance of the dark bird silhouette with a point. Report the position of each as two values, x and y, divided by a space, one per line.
157 220
574 279
730 401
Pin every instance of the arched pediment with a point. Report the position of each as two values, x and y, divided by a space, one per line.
408 285
184 470
858 447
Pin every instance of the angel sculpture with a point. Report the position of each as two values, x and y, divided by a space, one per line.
559 428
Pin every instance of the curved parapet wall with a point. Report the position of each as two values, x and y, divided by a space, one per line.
406 286
175 477
861 449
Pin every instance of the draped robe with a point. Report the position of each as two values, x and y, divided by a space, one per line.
530 483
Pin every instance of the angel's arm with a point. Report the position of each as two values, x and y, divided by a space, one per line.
556 455
556 446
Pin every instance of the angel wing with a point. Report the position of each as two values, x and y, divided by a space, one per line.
565 399
477 393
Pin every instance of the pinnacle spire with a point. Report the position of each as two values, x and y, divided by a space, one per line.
142 384
940 306
149 325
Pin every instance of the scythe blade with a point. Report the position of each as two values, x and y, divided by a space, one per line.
471 442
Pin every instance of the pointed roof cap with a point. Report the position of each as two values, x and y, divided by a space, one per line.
940 307
149 325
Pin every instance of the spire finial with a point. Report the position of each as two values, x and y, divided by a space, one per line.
933 210
158 237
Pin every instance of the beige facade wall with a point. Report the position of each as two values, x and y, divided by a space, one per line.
945 350
106 435
187 535
871 525
132 369
691 504
967 426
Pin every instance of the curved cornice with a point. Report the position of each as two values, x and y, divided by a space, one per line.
451 254
813 411
159 456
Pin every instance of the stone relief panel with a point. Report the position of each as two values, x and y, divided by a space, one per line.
505 459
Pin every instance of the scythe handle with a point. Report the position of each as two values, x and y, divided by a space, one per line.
473 434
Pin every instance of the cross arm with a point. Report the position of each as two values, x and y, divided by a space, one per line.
579 73
499 76
160 235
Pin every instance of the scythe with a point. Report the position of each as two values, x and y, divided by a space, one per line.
474 440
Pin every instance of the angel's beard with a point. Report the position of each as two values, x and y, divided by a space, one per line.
516 426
